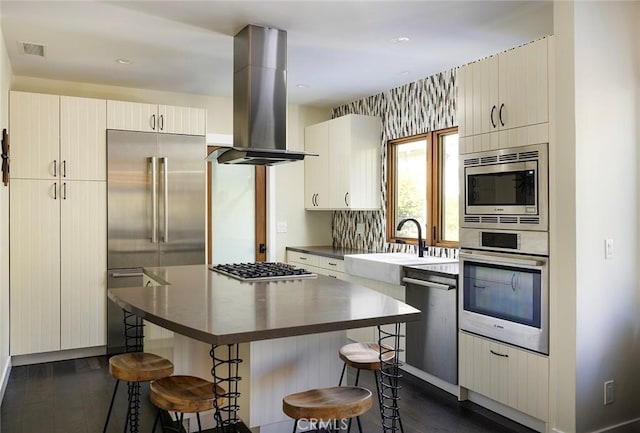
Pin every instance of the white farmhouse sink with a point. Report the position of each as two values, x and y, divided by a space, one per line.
386 267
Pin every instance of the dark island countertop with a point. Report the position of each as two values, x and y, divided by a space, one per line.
217 309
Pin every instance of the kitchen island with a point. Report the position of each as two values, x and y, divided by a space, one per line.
303 320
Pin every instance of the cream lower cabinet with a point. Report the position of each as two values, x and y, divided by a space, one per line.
328 266
83 264
514 377
167 119
58 265
34 217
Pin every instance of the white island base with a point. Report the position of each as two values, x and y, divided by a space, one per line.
270 370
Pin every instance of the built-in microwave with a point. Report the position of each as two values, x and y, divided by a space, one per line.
505 297
506 188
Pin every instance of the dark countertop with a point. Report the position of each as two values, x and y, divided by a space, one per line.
328 251
217 309
442 269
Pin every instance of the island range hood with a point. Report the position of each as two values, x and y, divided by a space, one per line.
259 100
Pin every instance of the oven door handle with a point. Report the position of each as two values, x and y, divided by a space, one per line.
493 258
429 284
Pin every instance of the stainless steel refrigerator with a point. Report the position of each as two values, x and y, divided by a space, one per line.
156 209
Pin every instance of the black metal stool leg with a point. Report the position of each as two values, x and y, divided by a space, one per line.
199 424
113 398
156 422
295 425
344 368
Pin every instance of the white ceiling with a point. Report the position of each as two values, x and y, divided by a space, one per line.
341 50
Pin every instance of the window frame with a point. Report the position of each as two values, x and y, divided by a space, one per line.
433 165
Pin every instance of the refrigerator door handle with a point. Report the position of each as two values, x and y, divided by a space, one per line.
154 200
165 192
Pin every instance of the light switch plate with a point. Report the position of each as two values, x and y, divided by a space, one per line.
281 227
608 249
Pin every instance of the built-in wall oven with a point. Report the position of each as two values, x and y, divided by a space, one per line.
504 240
505 297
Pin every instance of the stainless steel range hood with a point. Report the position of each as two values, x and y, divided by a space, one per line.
259 100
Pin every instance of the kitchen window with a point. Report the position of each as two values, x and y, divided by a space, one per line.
422 183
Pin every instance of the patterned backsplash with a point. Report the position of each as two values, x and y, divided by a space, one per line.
412 109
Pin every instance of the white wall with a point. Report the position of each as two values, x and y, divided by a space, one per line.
5 80
286 189
607 190
595 302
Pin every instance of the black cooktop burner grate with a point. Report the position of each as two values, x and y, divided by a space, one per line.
262 271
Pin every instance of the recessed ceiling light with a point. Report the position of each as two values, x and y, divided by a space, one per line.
302 86
400 40
124 61
403 73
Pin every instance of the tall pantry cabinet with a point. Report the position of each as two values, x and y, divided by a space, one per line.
57 223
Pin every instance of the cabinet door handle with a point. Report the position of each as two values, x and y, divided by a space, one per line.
64 168
162 122
333 264
502 355
302 258
153 122
493 110
346 199
500 114
55 191
314 199
64 190
55 168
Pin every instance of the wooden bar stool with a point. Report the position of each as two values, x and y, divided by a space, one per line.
184 394
327 404
365 356
134 368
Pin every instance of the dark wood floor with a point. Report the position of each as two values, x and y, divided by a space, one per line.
73 397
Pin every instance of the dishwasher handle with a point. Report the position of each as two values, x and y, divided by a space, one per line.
429 284
126 274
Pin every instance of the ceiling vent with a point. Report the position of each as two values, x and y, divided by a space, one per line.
31 49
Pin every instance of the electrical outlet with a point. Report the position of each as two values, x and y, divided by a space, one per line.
608 249
609 392
360 229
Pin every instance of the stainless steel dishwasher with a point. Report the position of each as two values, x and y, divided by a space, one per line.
432 342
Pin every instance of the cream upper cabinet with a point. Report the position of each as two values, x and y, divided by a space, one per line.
35 135
505 91
316 168
135 116
57 137
182 120
83 141
352 168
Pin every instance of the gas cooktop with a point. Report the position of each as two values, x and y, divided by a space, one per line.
262 271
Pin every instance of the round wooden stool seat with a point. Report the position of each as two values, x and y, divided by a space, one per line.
327 404
185 394
139 367
365 356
